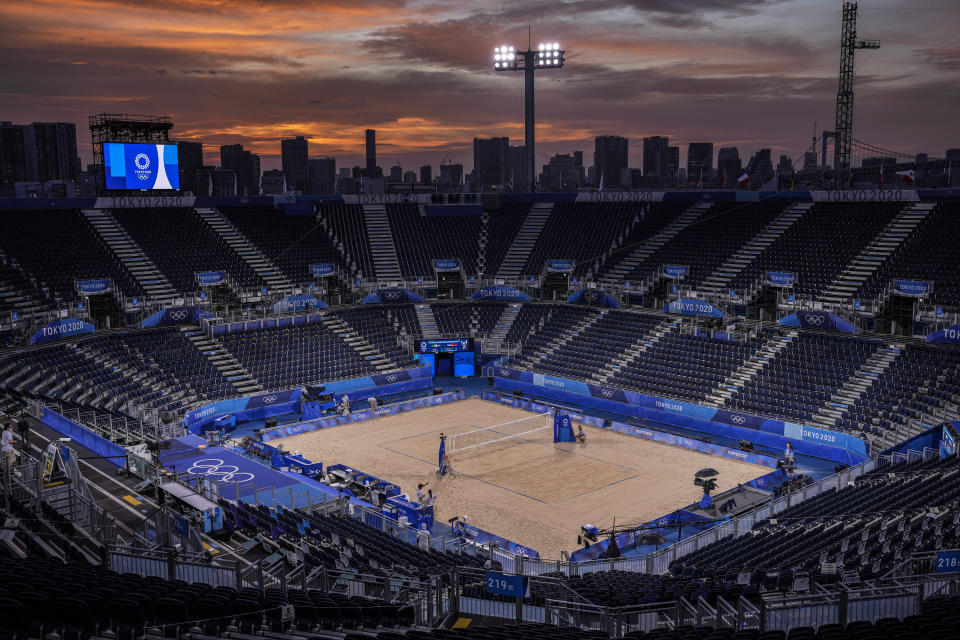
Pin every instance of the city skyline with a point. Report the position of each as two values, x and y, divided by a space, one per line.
253 73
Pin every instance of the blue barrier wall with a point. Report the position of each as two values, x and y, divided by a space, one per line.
279 403
820 443
361 416
110 451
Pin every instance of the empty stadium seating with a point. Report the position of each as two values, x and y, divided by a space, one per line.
584 231
281 358
420 238
804 376
819 245
293 243
59 247
866 528
181 244
705 244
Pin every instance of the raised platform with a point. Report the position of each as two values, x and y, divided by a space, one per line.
239 478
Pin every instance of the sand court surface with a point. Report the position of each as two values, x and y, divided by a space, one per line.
526 489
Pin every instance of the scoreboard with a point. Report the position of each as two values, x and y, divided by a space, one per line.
436 352
445 346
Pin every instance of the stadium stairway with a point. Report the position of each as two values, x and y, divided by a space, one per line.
353 338
482 239
427 321
644 342
719 282
386 264
260 263
618 273
519 251
223 360
876 253
750 368
568 335
504 324
855 386
14 297
154 284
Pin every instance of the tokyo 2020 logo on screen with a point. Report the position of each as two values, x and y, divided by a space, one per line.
141 166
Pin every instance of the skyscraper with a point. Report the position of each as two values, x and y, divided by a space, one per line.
294 161
451 174
51 151
656 156
610 159
760 168
322 177
673 165
517 167
13 163
491 162
396 173
246 165
371 153
190 159
728 164
699 162
426 174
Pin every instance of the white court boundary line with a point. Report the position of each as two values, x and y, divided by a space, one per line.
453 438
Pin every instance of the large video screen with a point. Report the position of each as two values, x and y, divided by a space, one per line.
141 166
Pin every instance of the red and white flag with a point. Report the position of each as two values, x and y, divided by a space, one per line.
907 176
744 180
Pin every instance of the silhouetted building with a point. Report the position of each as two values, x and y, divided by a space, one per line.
396 173
294 160
322 175
610 159
673 164
760 169
410 177
50 151
224 182
728 165
233 157
700 162
491 162
451 175
876 163
810 162
272 182
190 159
371 153
517 171
563 172
13 162
952 154
426 174
656 156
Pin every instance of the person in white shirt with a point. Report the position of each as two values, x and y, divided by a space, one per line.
6 446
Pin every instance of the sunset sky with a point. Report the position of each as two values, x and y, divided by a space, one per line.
748 73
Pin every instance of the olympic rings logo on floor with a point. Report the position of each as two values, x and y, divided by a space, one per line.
216 468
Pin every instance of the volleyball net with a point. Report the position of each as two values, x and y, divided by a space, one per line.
499 432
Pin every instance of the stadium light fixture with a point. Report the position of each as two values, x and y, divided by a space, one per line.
547 55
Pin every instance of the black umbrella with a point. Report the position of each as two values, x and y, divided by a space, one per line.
706 472
613 549
652 538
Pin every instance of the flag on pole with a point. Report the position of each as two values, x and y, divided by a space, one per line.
600 188
907 176
699 178
722 180
793 180
744 180
820 181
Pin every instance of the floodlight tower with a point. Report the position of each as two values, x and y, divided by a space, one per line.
844 125
545 56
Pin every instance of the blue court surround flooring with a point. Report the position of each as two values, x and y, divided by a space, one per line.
241 478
